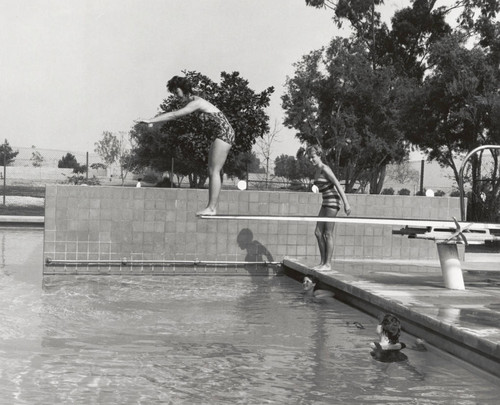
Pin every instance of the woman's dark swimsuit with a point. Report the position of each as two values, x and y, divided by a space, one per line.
331 198
225 131
388 356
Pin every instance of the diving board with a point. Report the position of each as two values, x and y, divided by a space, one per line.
446 234
424 223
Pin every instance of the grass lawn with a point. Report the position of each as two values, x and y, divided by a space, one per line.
23 191
30 210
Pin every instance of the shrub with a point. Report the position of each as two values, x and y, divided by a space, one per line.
439 193
455 193
404 191
165 182
80 180
151 178
388 191
421 193
296 185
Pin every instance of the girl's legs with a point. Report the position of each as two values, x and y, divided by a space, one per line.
318 232
216 159
324 234
328 236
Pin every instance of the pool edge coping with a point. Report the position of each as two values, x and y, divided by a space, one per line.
465 345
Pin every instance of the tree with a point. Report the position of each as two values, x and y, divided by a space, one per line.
69 162
264 147
114 149
36 159
294 168
7 154
403 173
98 166
247 162
337 100
474 16
284 166
365 77
454 110
416 30
187 140
108 148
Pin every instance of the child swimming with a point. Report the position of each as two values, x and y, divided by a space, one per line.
388 348
311 289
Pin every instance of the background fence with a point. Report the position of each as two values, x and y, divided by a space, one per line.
35 167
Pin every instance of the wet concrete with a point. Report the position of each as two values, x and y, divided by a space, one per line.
465 323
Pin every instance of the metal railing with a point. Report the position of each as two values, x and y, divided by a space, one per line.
461 175
127 262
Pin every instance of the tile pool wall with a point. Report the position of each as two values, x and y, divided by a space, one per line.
112 223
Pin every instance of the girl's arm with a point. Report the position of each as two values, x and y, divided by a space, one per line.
189 108
330 176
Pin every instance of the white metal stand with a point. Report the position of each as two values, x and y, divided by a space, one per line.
450 266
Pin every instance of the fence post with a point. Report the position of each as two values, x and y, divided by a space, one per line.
4 155
422 177
172 174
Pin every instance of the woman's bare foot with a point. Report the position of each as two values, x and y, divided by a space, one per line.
323 267
318 266
206 211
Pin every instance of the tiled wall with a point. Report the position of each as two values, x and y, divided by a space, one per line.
115 223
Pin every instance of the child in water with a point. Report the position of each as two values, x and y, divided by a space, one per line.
311 289
388 348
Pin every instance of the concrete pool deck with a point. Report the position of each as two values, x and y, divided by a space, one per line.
465 323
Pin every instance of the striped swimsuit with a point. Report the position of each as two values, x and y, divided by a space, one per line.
331 198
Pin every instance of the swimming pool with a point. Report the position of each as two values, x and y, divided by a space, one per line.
198 339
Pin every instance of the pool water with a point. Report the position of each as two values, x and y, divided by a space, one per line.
199 340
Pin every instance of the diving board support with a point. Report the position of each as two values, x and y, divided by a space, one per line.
450 266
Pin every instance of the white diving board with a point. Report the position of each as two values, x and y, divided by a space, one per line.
446 234
423 223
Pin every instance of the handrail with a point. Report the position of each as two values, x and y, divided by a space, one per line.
126 262
461 175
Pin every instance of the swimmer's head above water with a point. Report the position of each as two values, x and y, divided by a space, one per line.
388 348
311 288
308 283
390 327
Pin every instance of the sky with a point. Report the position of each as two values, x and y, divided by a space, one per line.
73 69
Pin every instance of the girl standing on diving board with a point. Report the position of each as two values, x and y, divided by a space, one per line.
181 87
332 192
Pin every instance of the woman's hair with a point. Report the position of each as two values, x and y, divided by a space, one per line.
182 83
316 149
391 327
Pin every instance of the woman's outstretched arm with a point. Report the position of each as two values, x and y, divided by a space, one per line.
189 108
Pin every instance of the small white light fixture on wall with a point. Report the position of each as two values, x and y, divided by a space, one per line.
429 193
242 185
